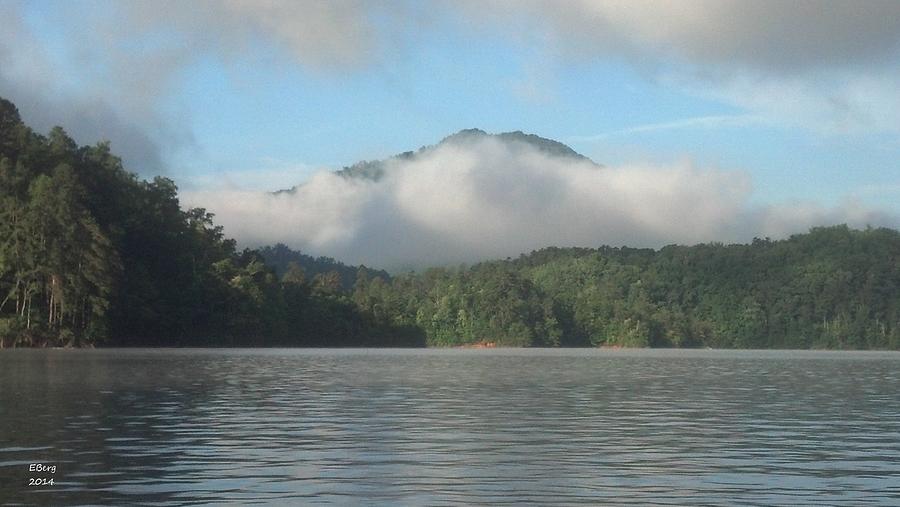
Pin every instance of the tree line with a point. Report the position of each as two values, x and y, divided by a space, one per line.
92 255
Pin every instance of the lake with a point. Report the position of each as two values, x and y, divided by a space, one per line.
437 427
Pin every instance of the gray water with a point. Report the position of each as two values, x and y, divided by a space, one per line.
437 427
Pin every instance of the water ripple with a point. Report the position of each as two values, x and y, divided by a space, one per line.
437 427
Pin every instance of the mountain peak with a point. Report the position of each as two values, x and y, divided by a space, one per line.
542 144
374 169
464 135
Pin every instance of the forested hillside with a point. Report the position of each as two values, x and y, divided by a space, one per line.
831 288
92 255
281 257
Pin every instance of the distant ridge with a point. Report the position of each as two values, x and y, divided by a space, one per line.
374 169
548 146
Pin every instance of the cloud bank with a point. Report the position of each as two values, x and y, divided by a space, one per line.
492 199
771 36
109 70
825 66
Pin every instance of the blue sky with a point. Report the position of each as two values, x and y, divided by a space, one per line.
799 101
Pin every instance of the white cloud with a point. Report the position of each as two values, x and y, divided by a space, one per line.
490 199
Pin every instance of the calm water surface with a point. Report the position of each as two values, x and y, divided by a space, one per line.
438 427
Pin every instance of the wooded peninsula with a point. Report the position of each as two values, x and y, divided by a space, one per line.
92 255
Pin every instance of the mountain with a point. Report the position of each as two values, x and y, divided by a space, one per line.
374 169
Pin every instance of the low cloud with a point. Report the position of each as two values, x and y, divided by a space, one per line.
492 199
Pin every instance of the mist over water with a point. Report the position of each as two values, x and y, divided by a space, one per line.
464 427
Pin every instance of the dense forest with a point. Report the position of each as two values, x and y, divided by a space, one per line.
92 255
281 258
831 288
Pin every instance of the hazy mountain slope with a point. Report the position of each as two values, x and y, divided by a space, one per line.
374 169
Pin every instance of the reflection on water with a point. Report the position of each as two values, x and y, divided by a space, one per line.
450 426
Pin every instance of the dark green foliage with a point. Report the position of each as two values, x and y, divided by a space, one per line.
58 266
281 257
801 292
831 288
